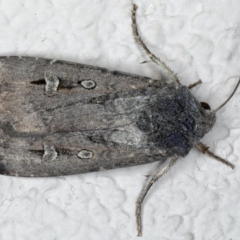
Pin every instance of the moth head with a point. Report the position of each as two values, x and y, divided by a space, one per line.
208 115
207 119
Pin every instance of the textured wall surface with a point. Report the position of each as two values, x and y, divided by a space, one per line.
199 198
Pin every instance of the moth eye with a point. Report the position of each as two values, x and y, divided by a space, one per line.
205 105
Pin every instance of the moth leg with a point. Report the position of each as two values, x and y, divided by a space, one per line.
195 84
145 190
204 149
158 61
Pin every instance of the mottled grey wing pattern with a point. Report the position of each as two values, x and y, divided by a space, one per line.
88 123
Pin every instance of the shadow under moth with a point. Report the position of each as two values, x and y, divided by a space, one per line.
61 118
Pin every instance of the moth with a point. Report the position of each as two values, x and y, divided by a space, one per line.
61 118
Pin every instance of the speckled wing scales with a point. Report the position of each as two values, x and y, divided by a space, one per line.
60 118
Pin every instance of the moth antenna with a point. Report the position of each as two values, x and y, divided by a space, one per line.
199 82
145 190
224 103
155 59
204 149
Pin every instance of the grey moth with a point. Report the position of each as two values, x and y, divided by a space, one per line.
60 118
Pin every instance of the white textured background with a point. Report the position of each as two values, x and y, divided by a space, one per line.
199 198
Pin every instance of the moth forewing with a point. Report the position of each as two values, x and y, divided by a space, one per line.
54 113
